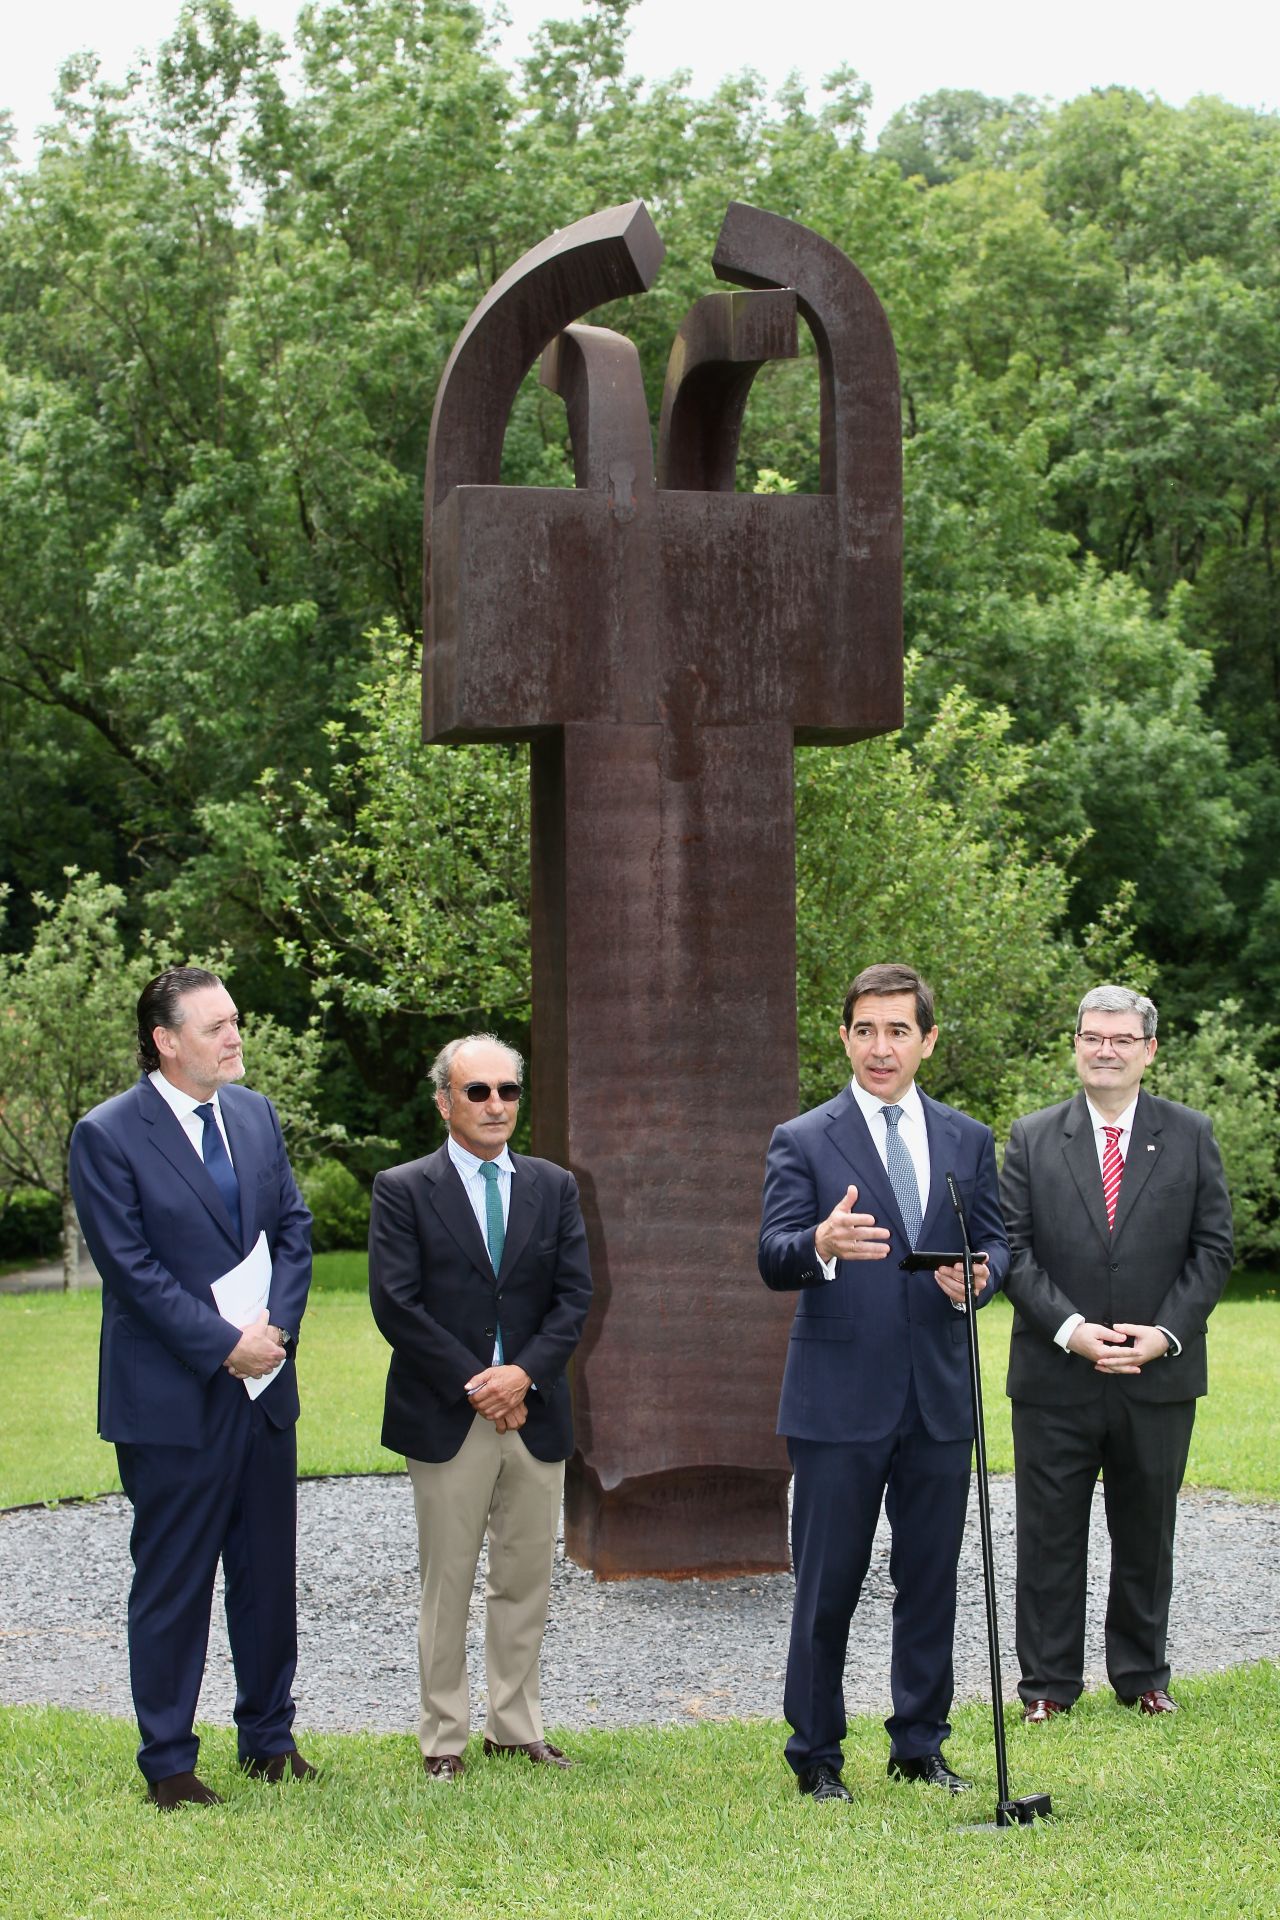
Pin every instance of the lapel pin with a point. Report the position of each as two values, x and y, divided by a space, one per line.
1150 1148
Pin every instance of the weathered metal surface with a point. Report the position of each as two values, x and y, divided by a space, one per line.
663 644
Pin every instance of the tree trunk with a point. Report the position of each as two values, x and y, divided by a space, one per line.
70 1243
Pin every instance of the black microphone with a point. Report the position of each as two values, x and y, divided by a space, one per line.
954 1191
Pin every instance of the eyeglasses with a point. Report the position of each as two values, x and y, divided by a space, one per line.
1122 1042
478 1091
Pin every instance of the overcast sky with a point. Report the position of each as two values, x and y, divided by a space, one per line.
997 46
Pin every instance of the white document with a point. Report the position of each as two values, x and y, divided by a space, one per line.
240 1296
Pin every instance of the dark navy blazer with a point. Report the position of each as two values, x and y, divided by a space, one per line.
437 1300
857 1342
160 1234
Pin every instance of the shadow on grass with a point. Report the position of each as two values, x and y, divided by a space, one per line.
1253 1283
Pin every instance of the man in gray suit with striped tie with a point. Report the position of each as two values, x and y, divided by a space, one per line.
1119 1226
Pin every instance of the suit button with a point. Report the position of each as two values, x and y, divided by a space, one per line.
488 1333
1115 1266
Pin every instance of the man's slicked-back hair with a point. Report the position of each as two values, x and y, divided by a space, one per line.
1112 999
160 1005
891 976
442 1065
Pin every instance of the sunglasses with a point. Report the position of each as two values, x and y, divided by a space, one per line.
478 1091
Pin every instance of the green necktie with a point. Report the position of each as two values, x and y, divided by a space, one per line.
495 1231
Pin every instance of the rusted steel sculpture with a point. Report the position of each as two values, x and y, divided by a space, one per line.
663 642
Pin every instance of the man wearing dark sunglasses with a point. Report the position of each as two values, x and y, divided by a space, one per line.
479 1280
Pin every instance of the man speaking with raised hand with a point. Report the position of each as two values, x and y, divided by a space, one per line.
875 1397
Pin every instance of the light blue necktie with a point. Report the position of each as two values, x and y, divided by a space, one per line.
902 1174
495 1232
218 1164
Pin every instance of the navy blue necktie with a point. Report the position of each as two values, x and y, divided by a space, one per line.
218 1162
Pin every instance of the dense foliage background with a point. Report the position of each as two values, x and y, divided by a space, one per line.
224 308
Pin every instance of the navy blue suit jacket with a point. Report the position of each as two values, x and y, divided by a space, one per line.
857 1341
160 1234
437 1301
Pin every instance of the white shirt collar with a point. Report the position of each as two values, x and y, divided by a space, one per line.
1124 1122
182 1103
871 1104
469 1164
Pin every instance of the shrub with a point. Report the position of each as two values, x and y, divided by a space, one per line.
339 1206
1218 1070
30 1225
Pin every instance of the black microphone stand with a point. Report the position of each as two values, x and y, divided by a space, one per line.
1031 1806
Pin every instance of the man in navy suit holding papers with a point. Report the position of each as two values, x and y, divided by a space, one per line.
875 1396
176 1181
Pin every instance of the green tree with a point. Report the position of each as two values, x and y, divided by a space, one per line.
915 853
938 135
67 1038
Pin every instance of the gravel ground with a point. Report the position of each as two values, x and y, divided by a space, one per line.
617 1654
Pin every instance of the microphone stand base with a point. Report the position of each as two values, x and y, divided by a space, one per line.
1023 1812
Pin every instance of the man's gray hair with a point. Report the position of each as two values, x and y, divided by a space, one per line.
1119 1000
442 1065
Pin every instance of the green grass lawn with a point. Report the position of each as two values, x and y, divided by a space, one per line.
49 1449
1154 1818
48 1384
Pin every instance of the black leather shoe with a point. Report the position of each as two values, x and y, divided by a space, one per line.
932 1768
182 1790
822 1782
280 1766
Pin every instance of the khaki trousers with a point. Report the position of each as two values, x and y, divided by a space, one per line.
492 1485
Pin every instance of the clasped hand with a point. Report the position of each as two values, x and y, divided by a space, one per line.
257 1352
1108 1347
499 1394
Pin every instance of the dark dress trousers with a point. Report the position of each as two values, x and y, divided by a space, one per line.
211 1474
1164 1263
875 1405
438 1302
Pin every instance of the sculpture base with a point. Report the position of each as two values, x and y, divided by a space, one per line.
705 1523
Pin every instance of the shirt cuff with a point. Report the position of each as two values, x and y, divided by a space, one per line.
828 1266
1175 1345
1068 1327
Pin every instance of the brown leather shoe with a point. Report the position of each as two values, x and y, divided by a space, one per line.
541 1752
1036 1712
182 1790
443 1766
1154 1700
281 1766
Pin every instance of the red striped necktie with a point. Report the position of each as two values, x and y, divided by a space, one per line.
1112 1172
